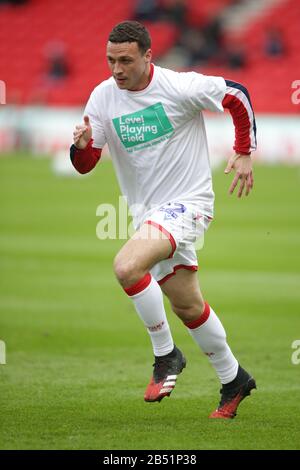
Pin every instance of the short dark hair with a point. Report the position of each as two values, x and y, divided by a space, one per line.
131 31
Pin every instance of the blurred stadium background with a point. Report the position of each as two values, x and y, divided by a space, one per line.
77 358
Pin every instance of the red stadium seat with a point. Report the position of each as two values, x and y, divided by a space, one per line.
83 27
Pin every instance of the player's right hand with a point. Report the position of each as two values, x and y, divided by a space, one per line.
82 134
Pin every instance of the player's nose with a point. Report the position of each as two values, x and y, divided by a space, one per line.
118 70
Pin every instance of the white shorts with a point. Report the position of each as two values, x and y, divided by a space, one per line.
185 227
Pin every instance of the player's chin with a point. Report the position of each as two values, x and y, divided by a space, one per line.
122 83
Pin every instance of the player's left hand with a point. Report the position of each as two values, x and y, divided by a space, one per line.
242 164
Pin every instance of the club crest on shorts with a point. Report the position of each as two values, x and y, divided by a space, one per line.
172 210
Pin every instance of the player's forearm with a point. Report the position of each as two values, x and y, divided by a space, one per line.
237 101
84 160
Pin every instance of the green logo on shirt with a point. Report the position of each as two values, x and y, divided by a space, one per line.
144 128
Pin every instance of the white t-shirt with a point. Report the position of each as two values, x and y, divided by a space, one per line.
157 138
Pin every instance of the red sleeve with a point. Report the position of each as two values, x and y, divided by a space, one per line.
85 160
237 101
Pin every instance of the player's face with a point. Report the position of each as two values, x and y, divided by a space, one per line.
129 67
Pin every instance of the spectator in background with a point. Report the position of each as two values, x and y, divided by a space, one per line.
172 11
56 70
175 11
274 43
213 33
57 67
192 44
203 43
13 2
236 57
147 10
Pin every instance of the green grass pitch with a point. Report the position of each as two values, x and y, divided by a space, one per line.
78 358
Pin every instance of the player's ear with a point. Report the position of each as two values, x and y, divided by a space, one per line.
148 55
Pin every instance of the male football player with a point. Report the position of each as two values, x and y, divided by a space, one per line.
151 118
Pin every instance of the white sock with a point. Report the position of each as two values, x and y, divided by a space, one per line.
148 301
209 334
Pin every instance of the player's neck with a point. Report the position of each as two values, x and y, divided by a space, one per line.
146 78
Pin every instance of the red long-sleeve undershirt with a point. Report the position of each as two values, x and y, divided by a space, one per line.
84 160
241 123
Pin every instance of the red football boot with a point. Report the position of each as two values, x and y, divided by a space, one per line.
232 394
166 370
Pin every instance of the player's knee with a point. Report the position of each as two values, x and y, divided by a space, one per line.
126 271
188 313
122 269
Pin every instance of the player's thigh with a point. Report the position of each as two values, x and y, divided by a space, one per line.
145 248
183 291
